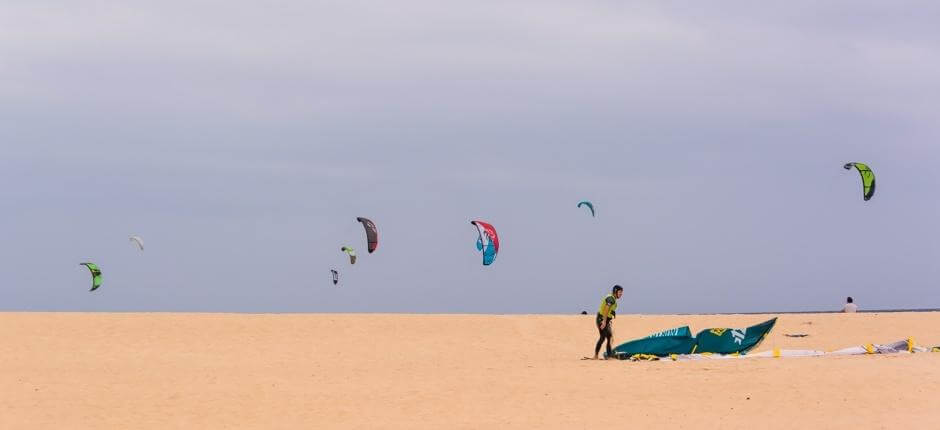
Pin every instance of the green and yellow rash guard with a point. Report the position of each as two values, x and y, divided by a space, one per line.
608 308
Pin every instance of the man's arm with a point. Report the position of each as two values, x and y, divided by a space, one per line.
606 311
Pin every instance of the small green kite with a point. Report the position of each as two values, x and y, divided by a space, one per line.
95 275
868 178
351 253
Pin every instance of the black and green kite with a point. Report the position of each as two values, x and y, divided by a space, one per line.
95 275
868 178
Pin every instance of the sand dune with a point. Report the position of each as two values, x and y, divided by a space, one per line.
102 370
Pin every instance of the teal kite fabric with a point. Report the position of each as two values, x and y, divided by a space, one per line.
679 340
589 205
732 340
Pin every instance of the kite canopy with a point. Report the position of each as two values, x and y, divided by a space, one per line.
679 340
137 240
488 241
868 178
589 206
372 234
95 275
351 253
335 276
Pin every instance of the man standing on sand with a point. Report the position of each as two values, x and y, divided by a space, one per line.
605 315
849 308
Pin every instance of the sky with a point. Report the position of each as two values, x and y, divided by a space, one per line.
241 140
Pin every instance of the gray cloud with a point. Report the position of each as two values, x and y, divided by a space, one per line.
242 141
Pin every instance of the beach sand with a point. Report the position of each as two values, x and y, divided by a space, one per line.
287 371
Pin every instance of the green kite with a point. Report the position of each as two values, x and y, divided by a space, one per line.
868 178
95 275
351 253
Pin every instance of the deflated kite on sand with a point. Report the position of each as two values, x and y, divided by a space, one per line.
678 344
711 340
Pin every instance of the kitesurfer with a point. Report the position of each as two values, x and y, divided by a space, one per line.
605 315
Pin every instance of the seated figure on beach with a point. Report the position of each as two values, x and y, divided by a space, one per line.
849 306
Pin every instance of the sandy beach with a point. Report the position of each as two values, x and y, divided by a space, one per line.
166 370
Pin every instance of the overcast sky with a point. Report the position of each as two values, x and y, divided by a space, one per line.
242 139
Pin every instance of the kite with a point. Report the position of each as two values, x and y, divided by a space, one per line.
868 178
335 276
372 234
589 206
351 253
137 240
488 242
95 275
